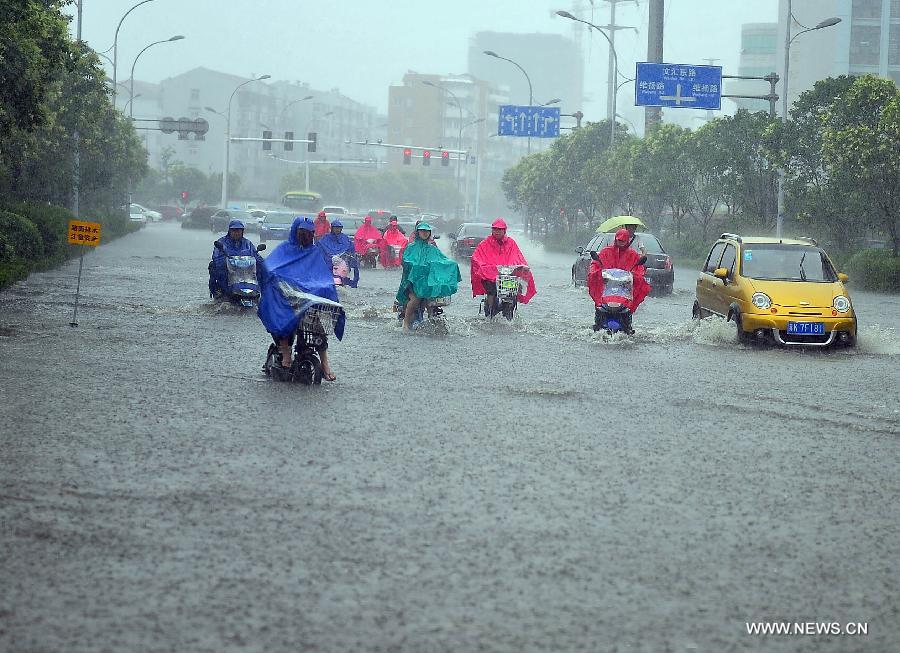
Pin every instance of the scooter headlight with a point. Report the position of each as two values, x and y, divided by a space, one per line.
841 304
761 300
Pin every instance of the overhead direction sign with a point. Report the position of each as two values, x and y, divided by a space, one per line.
678 86
536 122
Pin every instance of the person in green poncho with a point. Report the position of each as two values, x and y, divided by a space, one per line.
427 274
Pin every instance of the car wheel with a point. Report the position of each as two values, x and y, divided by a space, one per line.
741 336
697 312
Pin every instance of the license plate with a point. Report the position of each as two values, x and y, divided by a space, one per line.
806 328
509 284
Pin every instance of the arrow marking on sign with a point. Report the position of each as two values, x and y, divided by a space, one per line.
678 97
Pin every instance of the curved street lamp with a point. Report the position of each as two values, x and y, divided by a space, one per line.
458 133
115 47
788 39
174 38
612 49
289 104
491 53
549 102
228 137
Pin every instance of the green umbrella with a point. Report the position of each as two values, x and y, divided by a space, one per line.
619 221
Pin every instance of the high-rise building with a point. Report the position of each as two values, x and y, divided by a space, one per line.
758 47
866 41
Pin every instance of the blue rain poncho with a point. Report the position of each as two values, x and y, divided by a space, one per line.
300 273
218 271
335 245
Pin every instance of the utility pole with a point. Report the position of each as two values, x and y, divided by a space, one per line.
710 61
612 76
76 137
653 115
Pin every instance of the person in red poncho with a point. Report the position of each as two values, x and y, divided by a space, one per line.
393 238
618 255
498 249
323 227
366 232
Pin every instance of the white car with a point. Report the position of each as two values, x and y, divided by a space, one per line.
149 215
334 210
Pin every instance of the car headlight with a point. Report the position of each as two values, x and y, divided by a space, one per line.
841 304
761 300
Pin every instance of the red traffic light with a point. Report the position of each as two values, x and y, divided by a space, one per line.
426 158
445 158
407 155
184 196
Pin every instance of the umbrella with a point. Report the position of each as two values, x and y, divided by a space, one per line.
619 221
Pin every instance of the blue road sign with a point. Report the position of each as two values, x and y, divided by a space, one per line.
678 85
537 122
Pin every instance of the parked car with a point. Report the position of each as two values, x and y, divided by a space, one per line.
351 224
197 218
149 215
785 290
276 225
660 272
467 237
336 210
219 220
136 215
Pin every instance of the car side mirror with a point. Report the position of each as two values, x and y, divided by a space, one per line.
579 250
260 248
843 278
642 260
219 246
721 273
595 256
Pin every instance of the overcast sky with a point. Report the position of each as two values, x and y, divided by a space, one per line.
363 46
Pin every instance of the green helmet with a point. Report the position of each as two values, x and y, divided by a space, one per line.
424 226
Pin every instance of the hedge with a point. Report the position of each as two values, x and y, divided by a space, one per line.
875 269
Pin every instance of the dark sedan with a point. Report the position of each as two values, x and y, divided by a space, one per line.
659 269
220 219
276 225
467 238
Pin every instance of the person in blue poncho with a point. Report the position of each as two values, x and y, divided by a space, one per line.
233 244
334 244
297 267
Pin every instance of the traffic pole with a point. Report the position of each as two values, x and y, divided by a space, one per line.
74 322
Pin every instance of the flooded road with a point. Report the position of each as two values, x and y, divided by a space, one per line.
523 486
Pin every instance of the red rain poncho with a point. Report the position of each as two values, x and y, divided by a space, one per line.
392 236
323 227
492 252
367 231
623 258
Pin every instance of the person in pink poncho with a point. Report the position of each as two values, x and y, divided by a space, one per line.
394 243
498 249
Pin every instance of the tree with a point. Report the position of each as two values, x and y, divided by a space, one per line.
669 171
706 188
861 146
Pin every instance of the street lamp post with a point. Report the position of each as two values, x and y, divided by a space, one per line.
491 53
131 90
612 49
308 125
228 137
788 39
466 201
115 59
458 134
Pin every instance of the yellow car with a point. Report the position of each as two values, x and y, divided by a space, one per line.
776 289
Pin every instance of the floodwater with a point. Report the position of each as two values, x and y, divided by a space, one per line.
522 486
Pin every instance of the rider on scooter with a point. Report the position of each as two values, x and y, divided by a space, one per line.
233 244
620 256
322 225
366 232
337 243
498 249
427 274
394 240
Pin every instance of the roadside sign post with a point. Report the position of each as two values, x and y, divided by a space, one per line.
677 86
86 234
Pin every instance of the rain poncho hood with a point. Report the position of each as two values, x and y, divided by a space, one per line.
236 224
335 245
364 232
623 258
428 272
392 236
303 269
492 252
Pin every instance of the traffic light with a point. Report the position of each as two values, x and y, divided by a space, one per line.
267 144
445 158
311 136
407 156
185 196
426 158
288 136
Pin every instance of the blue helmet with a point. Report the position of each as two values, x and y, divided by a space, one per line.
337 223
235 224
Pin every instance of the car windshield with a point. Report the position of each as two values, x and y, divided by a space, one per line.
476 231
279 218
786 263
649 241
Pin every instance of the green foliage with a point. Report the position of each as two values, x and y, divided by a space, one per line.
51 222
875 269
19 238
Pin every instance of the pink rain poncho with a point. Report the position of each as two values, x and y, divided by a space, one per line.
492 252
367 231
393 236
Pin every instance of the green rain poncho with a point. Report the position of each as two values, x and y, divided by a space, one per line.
428 272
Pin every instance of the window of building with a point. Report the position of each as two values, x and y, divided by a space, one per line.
758 44
195 95
894 46
895 8
865 45
870 9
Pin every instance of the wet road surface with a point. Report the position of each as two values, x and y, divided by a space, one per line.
524 486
